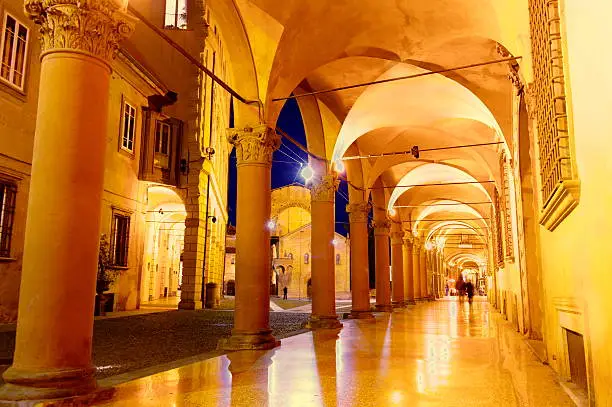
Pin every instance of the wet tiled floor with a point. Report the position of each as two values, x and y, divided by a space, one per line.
434 354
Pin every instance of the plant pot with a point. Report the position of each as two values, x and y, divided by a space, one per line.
99 309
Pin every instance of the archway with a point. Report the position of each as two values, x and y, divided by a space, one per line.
164 243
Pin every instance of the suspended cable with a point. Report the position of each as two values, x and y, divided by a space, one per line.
433 185
445 220
415 151
443 204
361 85
284 145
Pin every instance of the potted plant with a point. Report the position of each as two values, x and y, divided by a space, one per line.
106 275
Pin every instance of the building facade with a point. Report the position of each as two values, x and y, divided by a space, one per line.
166 156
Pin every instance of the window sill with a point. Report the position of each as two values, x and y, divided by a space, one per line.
7 259
13 90
563 201
119 267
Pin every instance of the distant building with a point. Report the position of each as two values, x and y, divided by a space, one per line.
291 248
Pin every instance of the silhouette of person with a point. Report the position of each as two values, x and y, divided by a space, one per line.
285 293
469 289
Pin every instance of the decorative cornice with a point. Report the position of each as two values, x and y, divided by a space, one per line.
397 238
94 27
358 211
563 201
381 227
324 188
254 146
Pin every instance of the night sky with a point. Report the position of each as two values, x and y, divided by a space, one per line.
286 165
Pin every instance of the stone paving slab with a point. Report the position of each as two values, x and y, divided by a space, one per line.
133 343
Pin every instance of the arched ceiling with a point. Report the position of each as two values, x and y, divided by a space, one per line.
313 45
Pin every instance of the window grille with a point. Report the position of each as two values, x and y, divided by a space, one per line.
8 193
13 50
120 233
129 127
162 137
506 206
549 88
176 14
499 245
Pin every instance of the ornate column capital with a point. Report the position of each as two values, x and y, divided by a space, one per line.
323 189
358 211
93 27
397 237
254 146
382 227
409 240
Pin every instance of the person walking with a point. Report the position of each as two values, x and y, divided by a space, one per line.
285 293
469 289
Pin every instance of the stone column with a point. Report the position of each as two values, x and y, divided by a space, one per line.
423 273
54 333
360 273
254 148
416 269
397 264
323 193
408 273
383 279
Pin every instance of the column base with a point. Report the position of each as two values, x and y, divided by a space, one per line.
256 340
410 302
189 305
59 384
383 308
398 304
361 315
323 322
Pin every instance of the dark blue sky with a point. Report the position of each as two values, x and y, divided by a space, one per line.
286 165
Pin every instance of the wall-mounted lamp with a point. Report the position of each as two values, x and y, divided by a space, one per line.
213 219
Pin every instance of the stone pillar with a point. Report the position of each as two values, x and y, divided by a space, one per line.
383 279
397 264
323 193
408 273
416 269
360 273
423 273
54 333
254 148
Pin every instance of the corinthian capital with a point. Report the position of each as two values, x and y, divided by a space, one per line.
254 145
382 227
397 238
324 188
94 27
358 211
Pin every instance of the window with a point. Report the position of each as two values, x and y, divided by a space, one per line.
338 258
176 14
128 127
306 258
8 192
162 137
13 51
120 232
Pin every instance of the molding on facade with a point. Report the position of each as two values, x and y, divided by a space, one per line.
565 198
254 146
93 27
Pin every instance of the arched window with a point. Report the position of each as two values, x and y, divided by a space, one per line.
306 258
337 258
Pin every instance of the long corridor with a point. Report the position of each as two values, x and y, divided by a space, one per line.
435 354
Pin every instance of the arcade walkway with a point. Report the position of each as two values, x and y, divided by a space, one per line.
437 354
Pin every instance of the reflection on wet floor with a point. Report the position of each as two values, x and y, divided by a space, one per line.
436 354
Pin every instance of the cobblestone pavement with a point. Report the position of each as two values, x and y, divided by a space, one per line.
132 343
